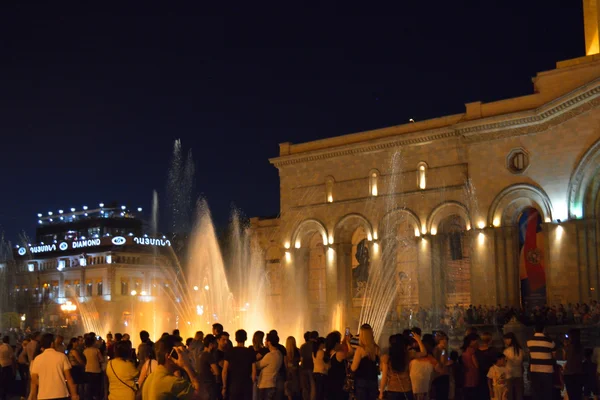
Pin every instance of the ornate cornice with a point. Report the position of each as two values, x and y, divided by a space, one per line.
508 125
365 147
538 120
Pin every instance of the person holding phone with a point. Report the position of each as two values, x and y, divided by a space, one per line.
162 383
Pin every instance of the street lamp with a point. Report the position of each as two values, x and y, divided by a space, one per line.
67 307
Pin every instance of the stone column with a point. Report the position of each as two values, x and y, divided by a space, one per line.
591 22
511 258
344 279
592 258
424 268
437 281
502 273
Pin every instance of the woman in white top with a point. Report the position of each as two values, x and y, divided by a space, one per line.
320 368
514 357
93 369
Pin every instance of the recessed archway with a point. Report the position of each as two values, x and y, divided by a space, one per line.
305 230
584 184
509 204
348 224
445 210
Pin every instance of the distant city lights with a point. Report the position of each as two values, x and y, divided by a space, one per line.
139 209
85 207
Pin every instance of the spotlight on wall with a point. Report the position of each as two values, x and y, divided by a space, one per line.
559 232
434 231
297 244
286 245
481 238
481 224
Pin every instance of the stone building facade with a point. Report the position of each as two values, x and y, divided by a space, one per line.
497 205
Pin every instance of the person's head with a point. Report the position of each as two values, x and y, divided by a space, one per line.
163 351
539 328
189 341
126 336
123 349
199 336
59 341
118 337
176 333
314 335
500 360
398 352
241 336
471 341
222 341
5 339
47 341
217 329
486 338
72 343
416 330
306 336
290 347
366 340
429 342
510 340
257 340
90 341
441 339
210 342
144 336
109 337
36 336
332 340
272 340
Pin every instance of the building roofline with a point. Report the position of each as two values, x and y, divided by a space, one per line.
566 88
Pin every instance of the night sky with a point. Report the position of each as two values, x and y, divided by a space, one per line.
91 98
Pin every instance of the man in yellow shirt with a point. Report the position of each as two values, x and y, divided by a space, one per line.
162 384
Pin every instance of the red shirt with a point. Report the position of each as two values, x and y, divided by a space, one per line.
470 370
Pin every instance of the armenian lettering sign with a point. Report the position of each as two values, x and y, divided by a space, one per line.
92 243
532 269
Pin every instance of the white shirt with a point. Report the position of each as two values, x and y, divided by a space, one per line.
7 355
514 362
50 367
499 375
269 366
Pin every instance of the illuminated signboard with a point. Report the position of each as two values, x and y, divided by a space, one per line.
91 243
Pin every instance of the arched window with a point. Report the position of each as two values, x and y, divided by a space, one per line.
422 175
373 178
329 188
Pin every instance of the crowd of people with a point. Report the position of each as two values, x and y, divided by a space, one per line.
458 317
335 367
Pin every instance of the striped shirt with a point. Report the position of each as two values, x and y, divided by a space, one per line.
540 353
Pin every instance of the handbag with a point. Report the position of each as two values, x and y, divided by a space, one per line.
349 381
